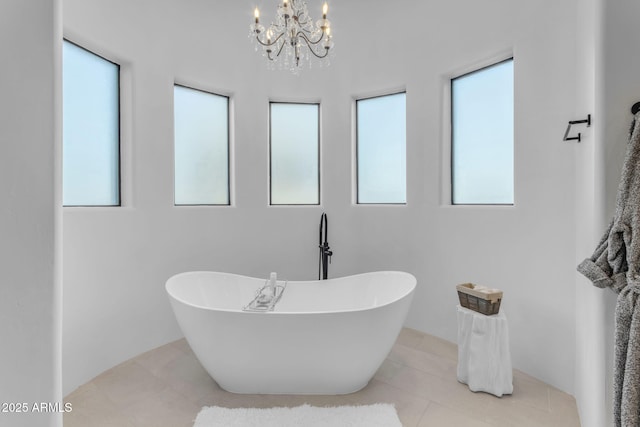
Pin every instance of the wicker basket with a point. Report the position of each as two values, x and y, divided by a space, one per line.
480 299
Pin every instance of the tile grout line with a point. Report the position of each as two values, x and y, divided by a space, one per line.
429 403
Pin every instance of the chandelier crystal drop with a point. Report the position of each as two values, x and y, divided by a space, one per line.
293 39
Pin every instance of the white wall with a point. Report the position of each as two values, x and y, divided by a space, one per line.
117 259
30 314
591 348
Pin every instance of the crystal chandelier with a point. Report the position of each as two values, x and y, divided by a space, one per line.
293 39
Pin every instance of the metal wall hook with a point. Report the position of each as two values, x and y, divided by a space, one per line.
576 122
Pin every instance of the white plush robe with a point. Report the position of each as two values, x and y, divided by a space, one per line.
616 264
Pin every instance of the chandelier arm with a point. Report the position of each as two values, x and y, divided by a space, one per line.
326 50
302 24
269 44
309 41
277 54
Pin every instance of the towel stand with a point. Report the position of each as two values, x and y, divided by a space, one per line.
576 122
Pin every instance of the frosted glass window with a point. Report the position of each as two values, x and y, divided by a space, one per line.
294 154
482 136
91 129
201 127
381 146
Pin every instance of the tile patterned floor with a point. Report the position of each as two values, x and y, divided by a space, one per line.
167 386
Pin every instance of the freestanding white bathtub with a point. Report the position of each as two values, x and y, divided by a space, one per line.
323 337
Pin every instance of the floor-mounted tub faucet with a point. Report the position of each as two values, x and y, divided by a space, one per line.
325 250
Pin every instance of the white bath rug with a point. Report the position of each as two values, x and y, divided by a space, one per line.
378 415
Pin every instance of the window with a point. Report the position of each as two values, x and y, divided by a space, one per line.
381 149
91 129
482 136
294 154
201 140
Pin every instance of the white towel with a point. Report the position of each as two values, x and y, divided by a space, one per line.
484 359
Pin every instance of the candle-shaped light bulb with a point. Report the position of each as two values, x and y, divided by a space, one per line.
269 36
325 9
256 14
285 3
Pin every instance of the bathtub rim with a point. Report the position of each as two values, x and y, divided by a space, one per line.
239 310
